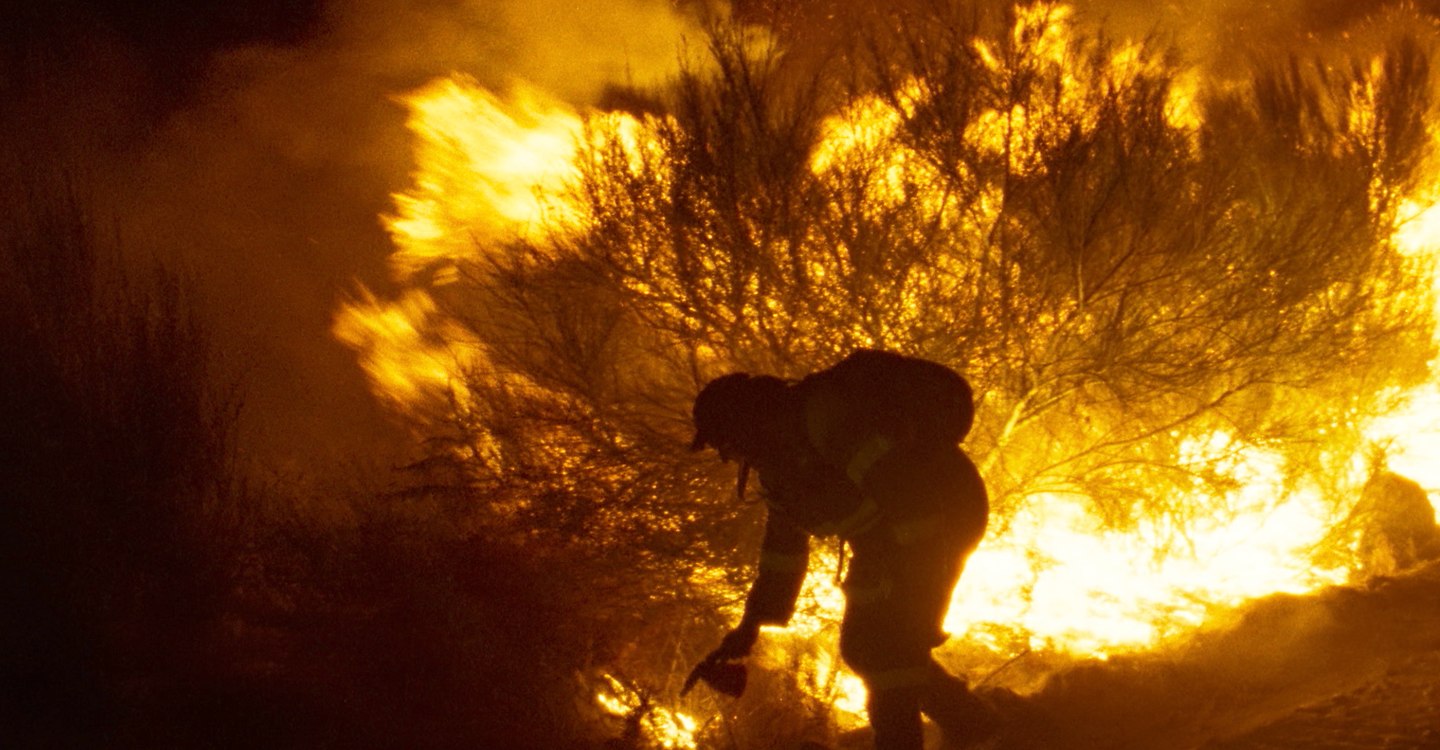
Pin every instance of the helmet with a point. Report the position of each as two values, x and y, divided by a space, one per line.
730 405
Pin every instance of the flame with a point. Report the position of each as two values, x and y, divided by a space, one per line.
670 729
821 605
492 168
401 346
490 165
1096 592
496 166
1410 432
489 170
864 133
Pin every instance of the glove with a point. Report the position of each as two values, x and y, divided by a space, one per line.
737 643
724 677
717 671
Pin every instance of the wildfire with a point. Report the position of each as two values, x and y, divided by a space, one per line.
490 166
669 728
1411 431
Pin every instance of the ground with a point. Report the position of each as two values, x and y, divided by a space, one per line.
1348 668
1400 709
1395 703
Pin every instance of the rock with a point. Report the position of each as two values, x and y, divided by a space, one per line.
1396 523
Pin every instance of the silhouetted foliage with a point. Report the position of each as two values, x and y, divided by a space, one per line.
117 457
158 595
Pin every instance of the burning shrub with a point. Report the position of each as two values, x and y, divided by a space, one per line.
1020 202
1180 304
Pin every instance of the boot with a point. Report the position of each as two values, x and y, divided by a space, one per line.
895 717
964 719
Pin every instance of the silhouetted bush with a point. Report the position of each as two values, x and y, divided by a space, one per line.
116 446
399 630
157 598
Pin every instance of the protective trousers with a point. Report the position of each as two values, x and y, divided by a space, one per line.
897 593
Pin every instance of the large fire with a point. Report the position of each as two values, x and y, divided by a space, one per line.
494 168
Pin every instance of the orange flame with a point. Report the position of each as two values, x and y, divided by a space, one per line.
401 346
495 166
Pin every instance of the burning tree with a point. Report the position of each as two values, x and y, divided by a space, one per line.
1150 281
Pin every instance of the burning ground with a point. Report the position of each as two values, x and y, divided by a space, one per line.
1193 283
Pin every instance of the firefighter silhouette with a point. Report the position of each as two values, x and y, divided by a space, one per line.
866 451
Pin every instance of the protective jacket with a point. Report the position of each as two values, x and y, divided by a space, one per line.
844 471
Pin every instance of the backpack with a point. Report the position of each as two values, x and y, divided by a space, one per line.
923 400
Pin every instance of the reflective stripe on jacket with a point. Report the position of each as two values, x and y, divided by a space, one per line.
784 557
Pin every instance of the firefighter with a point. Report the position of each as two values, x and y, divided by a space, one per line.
911 512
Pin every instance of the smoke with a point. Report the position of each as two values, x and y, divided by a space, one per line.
1224 36
262 165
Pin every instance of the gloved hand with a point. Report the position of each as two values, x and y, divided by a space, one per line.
715 668
737 643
